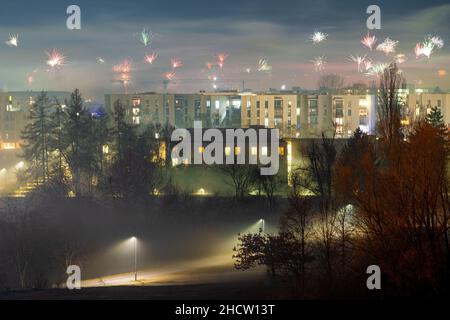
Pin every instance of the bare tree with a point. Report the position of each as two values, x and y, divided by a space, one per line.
331 82
390 105
241 176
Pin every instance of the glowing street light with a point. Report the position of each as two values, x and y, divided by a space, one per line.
135 257
262 225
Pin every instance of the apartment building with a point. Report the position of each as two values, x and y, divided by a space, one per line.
14 114
419 105
271 110
179 110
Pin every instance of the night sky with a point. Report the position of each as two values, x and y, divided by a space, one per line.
196 31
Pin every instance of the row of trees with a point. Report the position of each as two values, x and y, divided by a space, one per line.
382 201
70 149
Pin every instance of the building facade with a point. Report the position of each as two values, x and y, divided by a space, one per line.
296 115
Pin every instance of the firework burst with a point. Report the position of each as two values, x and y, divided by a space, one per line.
123 70
176 63
13 41
427 47
376 69
437 41
387 46
318 37
369 41
221 57
170 76
55 59
124 67
145 37
150 58
359 60
263 65
319 63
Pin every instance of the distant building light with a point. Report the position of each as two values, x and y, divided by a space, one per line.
8 146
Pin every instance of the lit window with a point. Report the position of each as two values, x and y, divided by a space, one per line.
105 149
136 120
237 150
227 151
8 146
266 122
201 149
281 151
175 162
254 151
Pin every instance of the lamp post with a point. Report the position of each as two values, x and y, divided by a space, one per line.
135 258
262 225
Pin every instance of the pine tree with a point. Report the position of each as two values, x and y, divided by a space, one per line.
436 119
37 135
79 144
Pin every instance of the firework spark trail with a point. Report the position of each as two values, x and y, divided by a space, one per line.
318 37
170 76
55 59
124 67
150 58
263 65
368 64
319 63
359 60
176 63
221 57
13 41
387 46
124 70
427 47
376 69
369 41
437 41
145 37
30 77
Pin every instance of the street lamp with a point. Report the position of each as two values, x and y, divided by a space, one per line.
135 257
